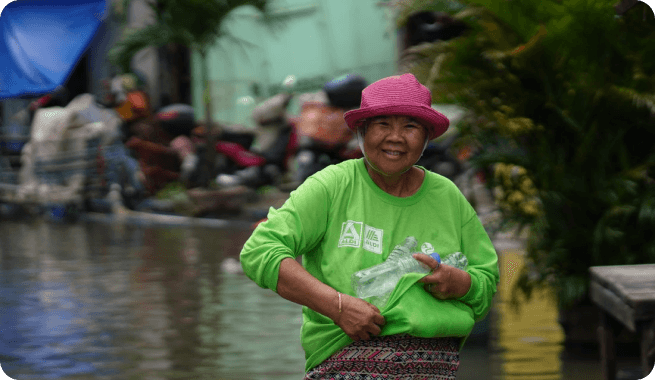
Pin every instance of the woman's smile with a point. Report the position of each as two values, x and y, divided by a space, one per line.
393 144
392 153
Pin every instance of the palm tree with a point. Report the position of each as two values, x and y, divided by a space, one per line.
196 24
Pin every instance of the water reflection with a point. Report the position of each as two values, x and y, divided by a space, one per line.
118 301
107 301
55 320
529 339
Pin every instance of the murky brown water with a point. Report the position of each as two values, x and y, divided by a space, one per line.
113 301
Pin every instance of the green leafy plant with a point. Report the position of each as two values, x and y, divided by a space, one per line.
561 100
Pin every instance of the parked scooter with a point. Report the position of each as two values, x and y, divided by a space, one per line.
164 146
263 159
325 138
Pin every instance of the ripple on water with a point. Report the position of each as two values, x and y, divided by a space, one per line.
102 301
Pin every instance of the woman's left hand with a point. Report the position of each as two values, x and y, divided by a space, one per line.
445 281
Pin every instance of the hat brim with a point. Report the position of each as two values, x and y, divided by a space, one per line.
436 121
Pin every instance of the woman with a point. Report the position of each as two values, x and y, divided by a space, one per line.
349 217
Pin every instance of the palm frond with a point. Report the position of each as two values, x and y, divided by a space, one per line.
197 24
134 41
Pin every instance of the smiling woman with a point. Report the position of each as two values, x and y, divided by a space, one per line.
391 146
348 217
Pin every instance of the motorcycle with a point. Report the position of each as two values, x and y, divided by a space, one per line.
259 159
325 139
324 136
164 146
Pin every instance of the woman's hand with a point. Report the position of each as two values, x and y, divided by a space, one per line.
445 281
359 319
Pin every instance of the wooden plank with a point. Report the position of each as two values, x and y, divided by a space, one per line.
647 346
634 284
627 293
608 301
645 307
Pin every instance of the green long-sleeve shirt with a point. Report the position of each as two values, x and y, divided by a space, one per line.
341 222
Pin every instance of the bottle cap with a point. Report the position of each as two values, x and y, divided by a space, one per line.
436 256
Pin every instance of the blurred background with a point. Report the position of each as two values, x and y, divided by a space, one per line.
142 140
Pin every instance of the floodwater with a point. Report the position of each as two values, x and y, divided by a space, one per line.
96 300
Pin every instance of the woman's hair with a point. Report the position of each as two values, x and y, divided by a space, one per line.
364 126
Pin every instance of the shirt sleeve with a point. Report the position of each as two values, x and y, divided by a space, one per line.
482 266
294 229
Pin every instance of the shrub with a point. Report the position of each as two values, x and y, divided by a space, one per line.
561 100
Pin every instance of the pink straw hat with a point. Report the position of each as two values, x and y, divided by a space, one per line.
398 95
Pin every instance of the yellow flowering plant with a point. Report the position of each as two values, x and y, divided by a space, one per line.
561 100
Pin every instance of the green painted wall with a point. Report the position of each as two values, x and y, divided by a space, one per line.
315 40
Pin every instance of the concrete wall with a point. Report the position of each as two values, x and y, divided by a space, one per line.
316 40
146 62
98 65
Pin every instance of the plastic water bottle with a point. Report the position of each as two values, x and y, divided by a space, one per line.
457 260
376 283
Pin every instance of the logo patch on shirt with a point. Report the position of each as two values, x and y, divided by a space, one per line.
351 234
373 239
427 248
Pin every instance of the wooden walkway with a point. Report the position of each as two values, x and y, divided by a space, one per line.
625 295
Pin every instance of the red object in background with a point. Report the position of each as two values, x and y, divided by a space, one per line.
292 144
323 124
240 155
465 153
159 163
40 102
135 106
481 177
254 225
157 178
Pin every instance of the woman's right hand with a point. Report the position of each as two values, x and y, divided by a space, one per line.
359 319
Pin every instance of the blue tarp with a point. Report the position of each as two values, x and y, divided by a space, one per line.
41 41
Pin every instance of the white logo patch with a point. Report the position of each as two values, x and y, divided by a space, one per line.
373 239
351 234
427 248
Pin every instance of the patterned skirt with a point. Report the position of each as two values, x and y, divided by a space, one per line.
401 357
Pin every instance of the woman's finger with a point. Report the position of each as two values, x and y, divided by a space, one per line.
379 320
375 330
427 260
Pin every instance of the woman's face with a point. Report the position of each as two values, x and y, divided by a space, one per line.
393 144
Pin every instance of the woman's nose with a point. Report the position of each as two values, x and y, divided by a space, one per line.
395 132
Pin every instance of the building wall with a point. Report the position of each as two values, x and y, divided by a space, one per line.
99 67
314 40
146 61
